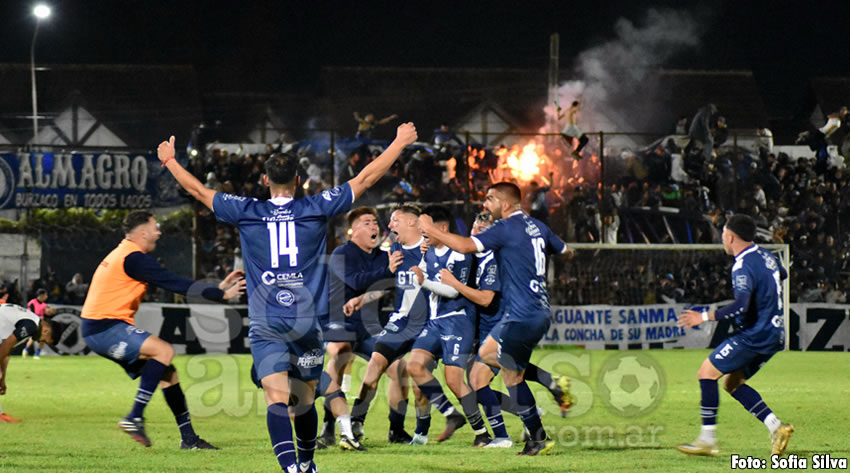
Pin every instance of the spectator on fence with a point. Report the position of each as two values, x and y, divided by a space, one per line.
366 124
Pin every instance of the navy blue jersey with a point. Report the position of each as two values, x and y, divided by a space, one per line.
410 299
522 244
757 275
284 250
459 265
353 271
487 279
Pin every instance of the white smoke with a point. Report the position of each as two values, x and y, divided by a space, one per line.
615 80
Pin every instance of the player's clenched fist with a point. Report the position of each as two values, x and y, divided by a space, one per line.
406 133
165 150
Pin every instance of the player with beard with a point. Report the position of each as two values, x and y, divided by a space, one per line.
521 244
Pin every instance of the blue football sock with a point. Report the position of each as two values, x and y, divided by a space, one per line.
151 375
710 401
280 432
361 407
434 392
397 416
177 403
493 411
306 426
423 420
752 401
508 405
528 410
469 404
539 375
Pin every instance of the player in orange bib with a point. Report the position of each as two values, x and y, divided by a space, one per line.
116 290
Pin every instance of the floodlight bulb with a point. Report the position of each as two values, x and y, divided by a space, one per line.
41 11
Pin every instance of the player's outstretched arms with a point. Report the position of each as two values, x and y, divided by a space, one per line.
405 135
165 152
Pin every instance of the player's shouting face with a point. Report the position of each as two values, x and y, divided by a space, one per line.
364 231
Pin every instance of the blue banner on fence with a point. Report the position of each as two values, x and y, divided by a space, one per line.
92 180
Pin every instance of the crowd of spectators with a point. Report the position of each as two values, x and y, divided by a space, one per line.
71 292
693 180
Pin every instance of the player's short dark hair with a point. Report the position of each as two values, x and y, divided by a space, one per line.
281 168
575 103
743 226
41 292
408 209
509 190
134 219
438 213
359 212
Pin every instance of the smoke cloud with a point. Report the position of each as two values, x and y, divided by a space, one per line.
617 81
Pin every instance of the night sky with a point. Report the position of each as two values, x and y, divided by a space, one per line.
279 46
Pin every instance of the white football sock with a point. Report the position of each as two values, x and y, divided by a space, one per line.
344 422
772 422
707 434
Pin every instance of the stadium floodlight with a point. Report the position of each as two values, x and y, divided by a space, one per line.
41 11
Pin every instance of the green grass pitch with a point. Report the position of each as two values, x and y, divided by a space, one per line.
70 407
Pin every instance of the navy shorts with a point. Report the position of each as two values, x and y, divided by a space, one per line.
397 337
453 337
517 340
353 332
488 326
291 345
118 341
734 354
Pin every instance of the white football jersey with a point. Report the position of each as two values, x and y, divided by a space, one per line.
10 315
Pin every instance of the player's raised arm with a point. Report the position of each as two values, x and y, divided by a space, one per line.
165 152
405 135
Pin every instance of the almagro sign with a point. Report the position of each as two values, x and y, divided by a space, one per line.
92 180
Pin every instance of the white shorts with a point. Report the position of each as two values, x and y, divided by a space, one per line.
572 131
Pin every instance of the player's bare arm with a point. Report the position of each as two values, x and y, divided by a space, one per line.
458 243
476 296
165 152
692 318
405 135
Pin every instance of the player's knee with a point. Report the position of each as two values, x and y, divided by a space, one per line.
732 383
169 375
416 368
164 353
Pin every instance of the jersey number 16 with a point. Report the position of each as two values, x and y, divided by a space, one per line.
282 242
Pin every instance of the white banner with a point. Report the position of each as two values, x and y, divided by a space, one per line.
624 327
823 327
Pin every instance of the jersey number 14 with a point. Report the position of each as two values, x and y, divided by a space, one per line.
282 242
